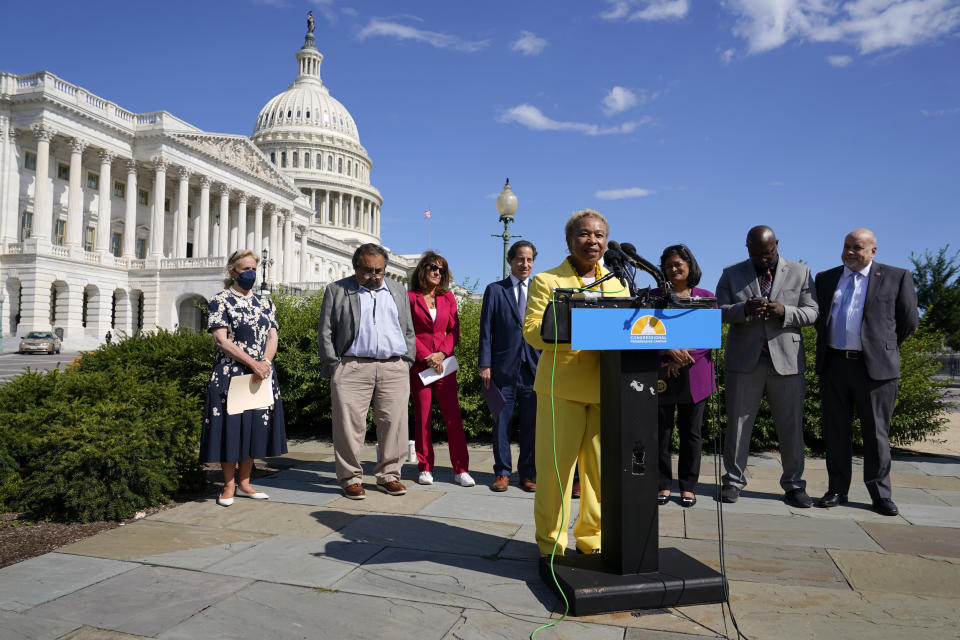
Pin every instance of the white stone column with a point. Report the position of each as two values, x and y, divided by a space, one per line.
341 220
275 242
104 201
288 264
75 194
183 209
242 221
130 212
378 221
43 187
158 217
258 227
326 208
224 221
10 190
304 273
203 232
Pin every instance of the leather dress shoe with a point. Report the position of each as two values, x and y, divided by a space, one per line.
528 485
500 483
832 499
393 488
662 499
729 493
575 492
798 498
354 491
688 501
885 506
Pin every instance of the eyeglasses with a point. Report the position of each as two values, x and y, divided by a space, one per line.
435 267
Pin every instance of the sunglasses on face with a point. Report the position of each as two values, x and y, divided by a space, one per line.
437 268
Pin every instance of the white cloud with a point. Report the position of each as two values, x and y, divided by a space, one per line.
620 194
727 55
840 61
619 99
325 7
940 112
649 10
532 118
381 27
775 183
870 25
529 44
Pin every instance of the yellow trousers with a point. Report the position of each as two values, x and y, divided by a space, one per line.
577 441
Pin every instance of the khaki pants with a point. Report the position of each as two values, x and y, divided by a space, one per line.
354 385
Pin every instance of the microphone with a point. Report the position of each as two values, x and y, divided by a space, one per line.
643 264
613 260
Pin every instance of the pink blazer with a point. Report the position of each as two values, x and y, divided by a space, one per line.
441 334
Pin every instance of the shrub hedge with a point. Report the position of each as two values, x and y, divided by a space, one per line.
119 430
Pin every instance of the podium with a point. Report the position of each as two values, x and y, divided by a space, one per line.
632 571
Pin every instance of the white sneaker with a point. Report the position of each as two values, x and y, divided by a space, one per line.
425 478
464 479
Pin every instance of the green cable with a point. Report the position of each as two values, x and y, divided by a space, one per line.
556 468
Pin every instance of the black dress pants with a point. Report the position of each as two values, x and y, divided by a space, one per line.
689 418
845 386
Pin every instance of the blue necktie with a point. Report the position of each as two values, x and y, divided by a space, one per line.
840 328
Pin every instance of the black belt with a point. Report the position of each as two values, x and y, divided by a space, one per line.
847 354
366 359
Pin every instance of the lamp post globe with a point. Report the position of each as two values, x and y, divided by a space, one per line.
506 207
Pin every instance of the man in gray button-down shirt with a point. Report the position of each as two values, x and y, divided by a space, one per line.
367 345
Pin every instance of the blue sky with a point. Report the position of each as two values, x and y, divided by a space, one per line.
680 121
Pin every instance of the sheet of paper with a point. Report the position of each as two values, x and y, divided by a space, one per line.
245 394
430 375
494 398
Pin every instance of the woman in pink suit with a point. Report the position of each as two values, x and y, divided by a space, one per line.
437 327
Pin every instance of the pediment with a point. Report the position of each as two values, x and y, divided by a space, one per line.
240 153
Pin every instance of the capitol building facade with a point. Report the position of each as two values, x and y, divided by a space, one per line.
118 221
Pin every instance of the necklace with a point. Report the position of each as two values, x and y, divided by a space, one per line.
596 274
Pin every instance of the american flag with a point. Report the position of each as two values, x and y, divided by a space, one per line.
426 214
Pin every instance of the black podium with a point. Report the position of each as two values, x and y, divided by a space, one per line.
632 572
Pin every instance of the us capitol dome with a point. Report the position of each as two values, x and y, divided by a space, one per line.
312 138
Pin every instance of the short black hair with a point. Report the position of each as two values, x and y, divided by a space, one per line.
520 244
368 249
686 255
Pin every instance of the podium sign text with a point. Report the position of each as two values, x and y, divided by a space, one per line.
606 329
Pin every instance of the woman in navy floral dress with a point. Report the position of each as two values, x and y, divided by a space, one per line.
244 328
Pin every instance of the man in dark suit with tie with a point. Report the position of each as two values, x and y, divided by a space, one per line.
510 363
867 310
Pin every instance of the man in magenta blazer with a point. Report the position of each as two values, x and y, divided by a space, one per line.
506 360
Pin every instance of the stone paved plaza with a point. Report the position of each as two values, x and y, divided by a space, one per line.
452 562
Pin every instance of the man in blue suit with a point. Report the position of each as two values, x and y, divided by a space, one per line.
510 363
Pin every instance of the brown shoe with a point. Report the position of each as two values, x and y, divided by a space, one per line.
575 494
528 485
354 491
500 483
394 488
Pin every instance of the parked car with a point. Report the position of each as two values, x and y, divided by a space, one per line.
37 341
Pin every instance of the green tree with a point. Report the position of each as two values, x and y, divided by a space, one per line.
937 277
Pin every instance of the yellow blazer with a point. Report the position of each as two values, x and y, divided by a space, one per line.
578 372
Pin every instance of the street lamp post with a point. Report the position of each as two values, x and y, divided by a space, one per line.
3 298
266 261
506 207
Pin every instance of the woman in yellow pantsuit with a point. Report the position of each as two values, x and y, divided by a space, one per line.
575 403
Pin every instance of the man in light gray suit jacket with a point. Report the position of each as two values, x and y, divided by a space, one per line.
367 345
765 300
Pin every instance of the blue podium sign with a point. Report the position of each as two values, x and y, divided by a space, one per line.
602 329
